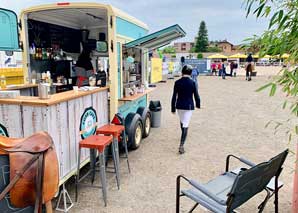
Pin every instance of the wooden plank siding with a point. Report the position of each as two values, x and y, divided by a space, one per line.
61 121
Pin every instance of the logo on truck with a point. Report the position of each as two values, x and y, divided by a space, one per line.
3 131
88 123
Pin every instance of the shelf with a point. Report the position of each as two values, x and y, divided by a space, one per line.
136 96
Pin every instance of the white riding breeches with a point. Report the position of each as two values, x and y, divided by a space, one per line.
185 116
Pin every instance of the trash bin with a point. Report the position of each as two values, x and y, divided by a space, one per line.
155 109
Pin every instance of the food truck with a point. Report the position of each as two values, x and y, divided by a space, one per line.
51 38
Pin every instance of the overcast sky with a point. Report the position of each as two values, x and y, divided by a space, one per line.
225 19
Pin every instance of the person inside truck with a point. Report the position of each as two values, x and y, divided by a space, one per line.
84 67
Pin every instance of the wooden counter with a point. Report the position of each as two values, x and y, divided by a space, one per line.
137 96
60 116
54 99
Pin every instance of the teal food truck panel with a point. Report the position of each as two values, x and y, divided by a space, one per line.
132 106
8 30
129 29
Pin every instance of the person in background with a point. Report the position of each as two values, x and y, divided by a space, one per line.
231 68
182 100
84 62
235 69
194 75
219 68
101 77
213 68
249 67
223 69
249 58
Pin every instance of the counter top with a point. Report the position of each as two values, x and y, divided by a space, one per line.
19 86
136 96
54 99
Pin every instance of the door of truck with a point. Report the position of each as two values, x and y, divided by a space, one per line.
9 34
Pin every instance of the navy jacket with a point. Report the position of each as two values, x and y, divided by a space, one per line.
184 91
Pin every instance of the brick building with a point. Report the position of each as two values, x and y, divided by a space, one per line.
183 47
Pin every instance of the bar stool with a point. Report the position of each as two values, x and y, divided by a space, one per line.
115 131
99 143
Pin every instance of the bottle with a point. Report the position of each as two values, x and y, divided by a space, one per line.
48 77
2 82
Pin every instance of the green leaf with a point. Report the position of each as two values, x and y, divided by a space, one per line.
280 15
285 104
273 90
264 87
260 9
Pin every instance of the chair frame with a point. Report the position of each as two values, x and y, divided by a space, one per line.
229 201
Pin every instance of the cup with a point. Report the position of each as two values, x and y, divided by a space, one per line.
33 81
75 89
69 81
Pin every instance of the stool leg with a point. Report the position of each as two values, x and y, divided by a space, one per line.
102 172
92 164
78 174
126 150
115 152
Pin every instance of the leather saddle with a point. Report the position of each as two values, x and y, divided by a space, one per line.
34 170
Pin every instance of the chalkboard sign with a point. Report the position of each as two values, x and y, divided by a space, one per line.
48 35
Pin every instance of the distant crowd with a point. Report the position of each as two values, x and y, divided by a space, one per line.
221 68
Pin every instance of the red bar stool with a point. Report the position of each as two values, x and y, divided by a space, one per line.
115 131
99 143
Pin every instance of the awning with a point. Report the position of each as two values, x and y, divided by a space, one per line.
238 55
158 39
217 56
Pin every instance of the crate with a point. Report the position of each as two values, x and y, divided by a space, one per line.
13 75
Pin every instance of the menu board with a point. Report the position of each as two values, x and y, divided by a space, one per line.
50 35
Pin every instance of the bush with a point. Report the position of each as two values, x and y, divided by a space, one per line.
199 56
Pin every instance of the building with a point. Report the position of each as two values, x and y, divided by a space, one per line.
183 47
227 47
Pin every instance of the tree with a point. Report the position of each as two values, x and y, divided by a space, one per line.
169 49
202 39
281 37
199 56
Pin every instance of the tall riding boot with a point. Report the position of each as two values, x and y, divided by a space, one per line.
182 140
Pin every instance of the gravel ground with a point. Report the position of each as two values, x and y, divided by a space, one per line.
232 120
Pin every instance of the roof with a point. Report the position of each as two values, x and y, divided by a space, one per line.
116 11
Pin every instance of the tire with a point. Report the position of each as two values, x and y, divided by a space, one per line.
134 130
146 120
147 126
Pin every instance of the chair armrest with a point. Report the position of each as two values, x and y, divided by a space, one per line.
243 160
206 192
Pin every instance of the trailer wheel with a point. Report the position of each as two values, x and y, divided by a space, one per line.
134 130
137 135
147 126
146 120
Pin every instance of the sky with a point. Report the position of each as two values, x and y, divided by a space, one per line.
225 19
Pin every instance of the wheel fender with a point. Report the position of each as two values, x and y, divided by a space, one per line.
143 111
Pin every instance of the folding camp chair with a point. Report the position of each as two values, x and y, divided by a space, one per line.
231 189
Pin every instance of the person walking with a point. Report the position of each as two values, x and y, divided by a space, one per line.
182 100
194 75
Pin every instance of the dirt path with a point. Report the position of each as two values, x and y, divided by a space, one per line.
231 120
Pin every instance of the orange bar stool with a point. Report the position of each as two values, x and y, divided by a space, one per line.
99 143
116 131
